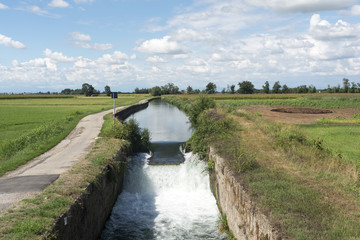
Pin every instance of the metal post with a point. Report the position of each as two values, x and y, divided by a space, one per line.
114 115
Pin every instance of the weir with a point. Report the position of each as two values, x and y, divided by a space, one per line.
166 194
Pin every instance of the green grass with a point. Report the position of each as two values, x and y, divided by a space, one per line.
314 100
339 140
30 126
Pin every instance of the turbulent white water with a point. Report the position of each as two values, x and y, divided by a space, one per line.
164 202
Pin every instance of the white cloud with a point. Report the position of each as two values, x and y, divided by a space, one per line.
95 46
354 11
305 6
37 10
323 30
58 3
155 59
80 37
2 6
57 56
163 45
8 42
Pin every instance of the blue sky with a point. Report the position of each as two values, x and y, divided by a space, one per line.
49 45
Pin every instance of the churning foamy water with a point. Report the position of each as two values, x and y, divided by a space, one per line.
164 202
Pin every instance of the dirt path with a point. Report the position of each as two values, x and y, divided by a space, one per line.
34 176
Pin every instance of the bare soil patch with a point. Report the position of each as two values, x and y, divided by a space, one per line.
299 115
301 110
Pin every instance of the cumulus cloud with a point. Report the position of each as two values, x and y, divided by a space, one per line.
8 42
58 3
80 37
2 6
304 6
57 56
323 30
163 45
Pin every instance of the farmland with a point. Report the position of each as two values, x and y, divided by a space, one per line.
30 125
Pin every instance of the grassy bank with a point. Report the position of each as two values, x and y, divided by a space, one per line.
34 218
31 126
306 190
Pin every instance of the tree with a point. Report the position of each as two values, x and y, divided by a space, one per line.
232 89
277 87
353 87
285 89
266 87
246 87
67 91
346 84
189 90
169 88
107 90
155 91
210 88
87 89
312 89
223 91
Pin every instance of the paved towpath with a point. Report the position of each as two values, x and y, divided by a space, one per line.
34 176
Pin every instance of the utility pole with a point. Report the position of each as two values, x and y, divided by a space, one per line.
114 95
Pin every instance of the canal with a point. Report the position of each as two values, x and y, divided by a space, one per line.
166 194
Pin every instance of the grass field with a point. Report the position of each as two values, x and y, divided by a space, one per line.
30 125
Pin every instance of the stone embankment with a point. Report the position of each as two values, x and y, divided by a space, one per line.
245 219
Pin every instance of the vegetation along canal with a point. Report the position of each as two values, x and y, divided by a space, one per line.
166 195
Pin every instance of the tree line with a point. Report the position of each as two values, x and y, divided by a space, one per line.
244 87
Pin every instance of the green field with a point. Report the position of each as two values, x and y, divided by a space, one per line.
30 125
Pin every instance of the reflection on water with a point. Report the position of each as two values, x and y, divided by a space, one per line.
164 201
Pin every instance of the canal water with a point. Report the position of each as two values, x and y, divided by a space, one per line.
166 194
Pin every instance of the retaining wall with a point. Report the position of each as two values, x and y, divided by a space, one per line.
245 219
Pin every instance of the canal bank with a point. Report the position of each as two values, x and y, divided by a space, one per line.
82 196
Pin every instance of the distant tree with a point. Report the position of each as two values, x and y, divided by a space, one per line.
169 88
246 87
141 91
189 90
285 89
107 90
155 91
346 84
67 91
302 89
87 89
312 89
353 87
329 89
266 87
232 89
277 87
210 88
223 91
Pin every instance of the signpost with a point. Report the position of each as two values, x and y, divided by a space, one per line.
113 96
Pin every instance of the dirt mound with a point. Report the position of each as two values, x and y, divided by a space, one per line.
302 110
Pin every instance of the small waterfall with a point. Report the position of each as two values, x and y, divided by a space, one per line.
164 202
